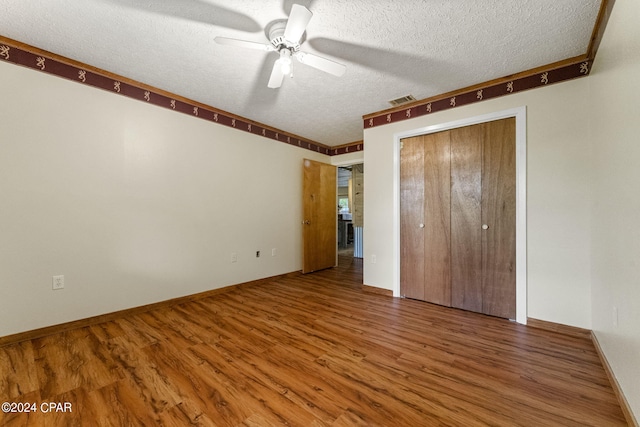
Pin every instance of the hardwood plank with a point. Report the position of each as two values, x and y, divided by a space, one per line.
309 350
22 418
224 389
299 384
152 388
349 419
202 398
258 395
73 359
17 366
118 404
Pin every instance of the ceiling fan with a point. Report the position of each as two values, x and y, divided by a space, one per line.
285 38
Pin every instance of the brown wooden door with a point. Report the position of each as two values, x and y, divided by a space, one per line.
466 217
457 220
437 218
425 218
319 229
499 216
412 252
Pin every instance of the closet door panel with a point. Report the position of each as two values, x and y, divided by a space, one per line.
499 214
411 216
466 217
437 218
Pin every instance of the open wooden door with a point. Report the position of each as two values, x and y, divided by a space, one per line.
319 216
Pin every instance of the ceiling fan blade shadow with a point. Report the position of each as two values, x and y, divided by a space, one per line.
405 65
194 10
261 95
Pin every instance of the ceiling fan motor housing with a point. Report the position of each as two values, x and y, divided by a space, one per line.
275 33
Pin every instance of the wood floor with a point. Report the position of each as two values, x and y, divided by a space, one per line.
308 351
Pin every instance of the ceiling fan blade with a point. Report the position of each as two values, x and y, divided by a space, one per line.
322 64
244 43
296 24
277 76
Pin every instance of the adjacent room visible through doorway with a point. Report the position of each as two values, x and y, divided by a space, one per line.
350 202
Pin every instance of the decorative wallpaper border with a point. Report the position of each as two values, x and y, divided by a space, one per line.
347 148
69 69
34 58
493 89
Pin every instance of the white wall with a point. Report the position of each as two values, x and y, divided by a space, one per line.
348 159
557 191
615 131
132 203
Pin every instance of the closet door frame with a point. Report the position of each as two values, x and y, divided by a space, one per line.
520 115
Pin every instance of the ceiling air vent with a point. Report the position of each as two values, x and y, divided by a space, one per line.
402 100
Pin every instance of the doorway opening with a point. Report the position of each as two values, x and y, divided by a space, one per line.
350 203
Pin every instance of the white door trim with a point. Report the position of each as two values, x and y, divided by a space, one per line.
520 115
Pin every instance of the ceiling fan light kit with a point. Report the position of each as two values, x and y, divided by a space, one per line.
285 38
285 62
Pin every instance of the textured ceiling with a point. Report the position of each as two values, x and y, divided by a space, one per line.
391 49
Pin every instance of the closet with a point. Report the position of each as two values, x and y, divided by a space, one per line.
457 218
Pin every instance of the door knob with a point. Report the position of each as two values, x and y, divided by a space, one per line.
421 225
485 226
307 222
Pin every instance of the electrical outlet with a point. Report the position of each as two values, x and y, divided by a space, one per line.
58 282
257 254
273 252
234 257
373 259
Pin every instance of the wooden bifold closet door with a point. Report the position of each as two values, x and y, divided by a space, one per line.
457 218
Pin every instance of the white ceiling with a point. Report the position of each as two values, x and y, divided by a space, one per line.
391 49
